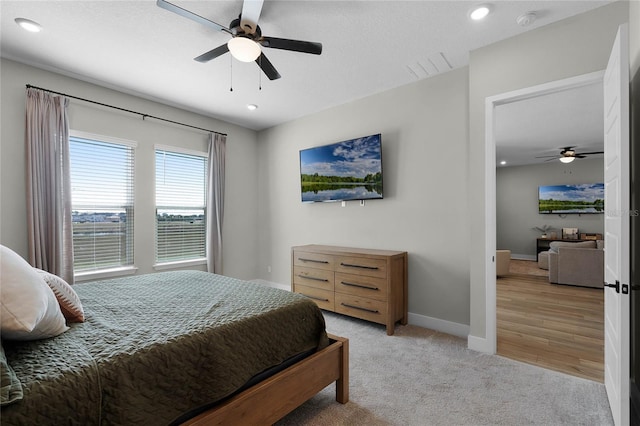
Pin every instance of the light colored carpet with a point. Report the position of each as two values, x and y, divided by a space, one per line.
422 377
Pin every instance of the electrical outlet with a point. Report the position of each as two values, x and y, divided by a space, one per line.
269 269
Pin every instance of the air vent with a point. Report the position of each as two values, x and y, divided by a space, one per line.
434 64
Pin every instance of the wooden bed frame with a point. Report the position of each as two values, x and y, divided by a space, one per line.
270 400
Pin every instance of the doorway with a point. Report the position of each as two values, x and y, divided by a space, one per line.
490 105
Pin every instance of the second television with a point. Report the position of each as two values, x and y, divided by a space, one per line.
347 170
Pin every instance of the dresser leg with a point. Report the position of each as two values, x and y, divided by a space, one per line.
390 328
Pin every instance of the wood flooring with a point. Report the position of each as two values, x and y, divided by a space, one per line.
552 326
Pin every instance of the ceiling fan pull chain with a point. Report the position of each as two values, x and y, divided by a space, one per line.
230 73
260 73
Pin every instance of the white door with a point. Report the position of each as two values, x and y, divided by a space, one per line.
616 228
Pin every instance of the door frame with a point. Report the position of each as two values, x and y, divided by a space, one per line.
490 183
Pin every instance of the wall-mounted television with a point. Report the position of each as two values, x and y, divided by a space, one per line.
342 171
577 199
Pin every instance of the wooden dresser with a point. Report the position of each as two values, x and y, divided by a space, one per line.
362 283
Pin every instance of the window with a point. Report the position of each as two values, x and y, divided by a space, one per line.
180 205
102 202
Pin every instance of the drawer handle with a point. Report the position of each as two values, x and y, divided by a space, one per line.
373 311
351 265
302 259
315 297
359 285
313 278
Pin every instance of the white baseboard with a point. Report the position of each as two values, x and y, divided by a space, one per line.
453 328
523 256
479 344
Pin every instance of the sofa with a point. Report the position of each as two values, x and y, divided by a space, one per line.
580 263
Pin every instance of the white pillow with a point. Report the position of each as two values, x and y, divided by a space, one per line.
69 302
29 308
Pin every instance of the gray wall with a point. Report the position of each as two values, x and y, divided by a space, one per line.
424 211
240 223
574 46
517 203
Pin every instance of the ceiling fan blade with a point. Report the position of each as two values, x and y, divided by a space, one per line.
212 54
251 10
267 67
294 45
190 15
592 153
549 156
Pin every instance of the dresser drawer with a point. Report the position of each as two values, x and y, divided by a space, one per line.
313 260
362 266
359 285
312 277
323 298
361 307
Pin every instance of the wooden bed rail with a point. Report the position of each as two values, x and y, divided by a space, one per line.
270 400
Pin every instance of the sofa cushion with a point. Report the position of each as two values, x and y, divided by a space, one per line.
554 245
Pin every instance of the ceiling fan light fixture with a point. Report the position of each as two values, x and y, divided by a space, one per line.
567 160
244 49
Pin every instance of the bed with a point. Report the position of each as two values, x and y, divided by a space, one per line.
184 347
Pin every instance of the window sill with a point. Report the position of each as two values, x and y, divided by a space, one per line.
105 273
179 264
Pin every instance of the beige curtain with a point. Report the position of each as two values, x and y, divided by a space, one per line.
215 201
48 184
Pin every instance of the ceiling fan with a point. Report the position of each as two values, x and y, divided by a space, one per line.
246 37
568 154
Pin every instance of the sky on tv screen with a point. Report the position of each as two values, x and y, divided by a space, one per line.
584 192
355 157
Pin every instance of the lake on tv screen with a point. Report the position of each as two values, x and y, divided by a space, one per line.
573 209
334 192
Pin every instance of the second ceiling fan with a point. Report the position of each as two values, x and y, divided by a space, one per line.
246 37
568 154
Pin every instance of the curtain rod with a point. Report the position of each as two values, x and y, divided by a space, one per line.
29 86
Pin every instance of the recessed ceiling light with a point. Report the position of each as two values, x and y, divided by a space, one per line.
502 163
480 12
252 107
29 25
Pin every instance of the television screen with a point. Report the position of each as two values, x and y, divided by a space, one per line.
562 199
348 170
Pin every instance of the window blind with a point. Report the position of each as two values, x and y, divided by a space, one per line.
180 206
102 176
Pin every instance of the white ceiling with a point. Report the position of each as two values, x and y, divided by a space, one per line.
368 47
542 126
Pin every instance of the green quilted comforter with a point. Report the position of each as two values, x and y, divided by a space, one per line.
156 346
